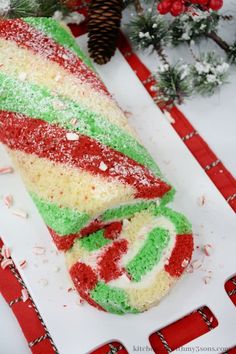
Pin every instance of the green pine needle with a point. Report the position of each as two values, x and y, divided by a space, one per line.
22 8
149 31
34 8
173 83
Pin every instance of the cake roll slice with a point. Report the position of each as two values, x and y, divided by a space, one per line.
130 270
81 161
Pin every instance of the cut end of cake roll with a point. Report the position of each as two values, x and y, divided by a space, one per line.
133 270
71 142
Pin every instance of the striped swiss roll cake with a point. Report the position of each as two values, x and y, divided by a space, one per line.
81 162
129 268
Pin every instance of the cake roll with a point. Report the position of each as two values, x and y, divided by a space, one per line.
81 162
129 269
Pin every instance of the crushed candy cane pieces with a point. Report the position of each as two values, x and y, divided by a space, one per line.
72 136
56 269
207 249
24 295
207 279
73 121
185 263
201 200
5 170
21 213
8 200
23 264
196 264
39 250
43 282
5 263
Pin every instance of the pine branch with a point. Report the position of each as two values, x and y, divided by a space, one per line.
226 17
173 84
150 31
138 7
219 41
160 52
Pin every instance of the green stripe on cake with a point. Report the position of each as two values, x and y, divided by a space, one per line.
113 300
168 197
182 225
94 241
125 211
63 221
149 255
54 30
35 101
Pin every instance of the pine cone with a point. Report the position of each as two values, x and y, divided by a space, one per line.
103 28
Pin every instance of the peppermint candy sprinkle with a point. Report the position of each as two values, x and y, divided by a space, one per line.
103 166
39 251
23 264
72 136
6 170
21 213
8 201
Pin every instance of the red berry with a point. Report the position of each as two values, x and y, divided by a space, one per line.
215 4
202 2
164 6
177 8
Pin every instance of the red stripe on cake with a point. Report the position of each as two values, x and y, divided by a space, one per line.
182 251
34 136
91 228
85 280
28 37
113 230
108 262
63 243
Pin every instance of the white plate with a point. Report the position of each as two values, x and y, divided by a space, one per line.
82 328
